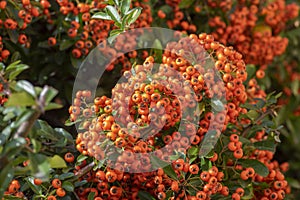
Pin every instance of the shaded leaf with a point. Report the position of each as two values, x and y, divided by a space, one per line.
65 44
145 195
259 167
268 145
68 186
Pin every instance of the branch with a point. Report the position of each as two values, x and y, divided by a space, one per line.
262 116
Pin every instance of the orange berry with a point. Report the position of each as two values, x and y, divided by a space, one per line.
56 183
61 192
37 181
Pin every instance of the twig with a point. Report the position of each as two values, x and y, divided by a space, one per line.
248 128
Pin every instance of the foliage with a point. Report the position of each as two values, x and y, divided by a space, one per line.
42 45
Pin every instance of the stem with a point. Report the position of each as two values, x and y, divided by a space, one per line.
84 170
262 116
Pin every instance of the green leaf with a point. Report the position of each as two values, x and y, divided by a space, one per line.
186 3
6 175
65 134
259 167
101 15
113 35
193 152
251 69
79 184
65 44
11 197
91 196
113 13
57 162
16 56
14 69
145 195
35 188
2 66
20 99
37 145
217 105
53 106
39 165
81 158
47 94
68 186
158 163
14 144
252 114
133 15
295 87
65 176
268 145
26 86
13 35
125 5
116 2
170 172
293 183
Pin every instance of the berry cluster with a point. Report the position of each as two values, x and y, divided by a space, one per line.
259 43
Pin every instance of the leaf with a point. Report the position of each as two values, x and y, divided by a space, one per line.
251 69
217 105
252 114
113 13
6 175
13 35
158 163
68 186
145 195
185 3
26 86
65 44
65 134
91 196
76 62
37 145
295 87
125 5
57 162
192 152
35 188
14 100
101 15
39 165
2 66
81 158
65 176
47 94
79 184
16 56
170 172
53 106
133 15
259 167
13 70
293 183
113 35
116 2
268 145
11 197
